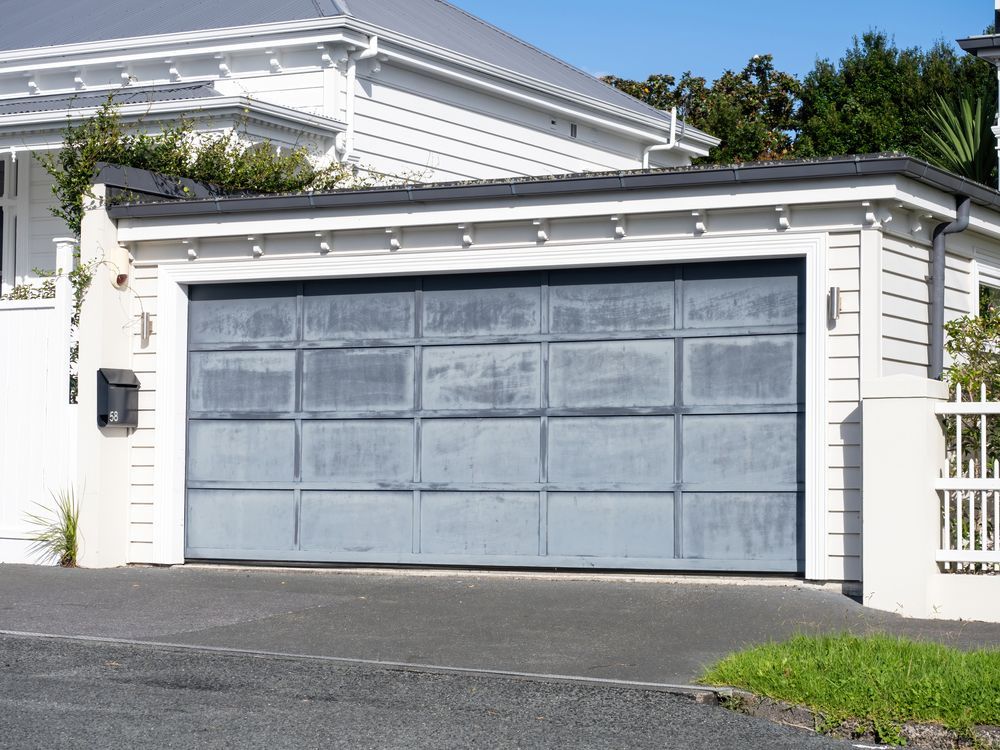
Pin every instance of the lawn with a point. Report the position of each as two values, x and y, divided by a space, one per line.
882 681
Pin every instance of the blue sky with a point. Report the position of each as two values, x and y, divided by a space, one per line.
633 38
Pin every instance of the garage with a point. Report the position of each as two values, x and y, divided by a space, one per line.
644 417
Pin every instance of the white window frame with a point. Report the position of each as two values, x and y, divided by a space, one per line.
985 272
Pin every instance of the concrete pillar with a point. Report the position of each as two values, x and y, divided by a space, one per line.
105 331
903 453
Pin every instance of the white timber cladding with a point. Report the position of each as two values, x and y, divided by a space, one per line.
832 519
905 302
843 409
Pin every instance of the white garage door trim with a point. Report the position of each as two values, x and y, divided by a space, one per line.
170 423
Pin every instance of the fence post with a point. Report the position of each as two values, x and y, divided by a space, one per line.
903 454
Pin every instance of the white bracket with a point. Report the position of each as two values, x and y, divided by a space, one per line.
256 246
784 218
395 238
274 61
192 247
468 235
325 242
918 221
225 71
541 229
700 222
871 219
620 228
174 73
32 86
78 82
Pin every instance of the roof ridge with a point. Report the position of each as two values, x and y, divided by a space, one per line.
550 56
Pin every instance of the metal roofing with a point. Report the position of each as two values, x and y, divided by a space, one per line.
790 171
44 23
93 99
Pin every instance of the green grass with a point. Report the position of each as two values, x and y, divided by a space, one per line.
55 531
879 680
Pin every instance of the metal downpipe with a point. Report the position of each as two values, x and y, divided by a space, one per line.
963 205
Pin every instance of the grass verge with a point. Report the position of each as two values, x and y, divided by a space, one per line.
881 681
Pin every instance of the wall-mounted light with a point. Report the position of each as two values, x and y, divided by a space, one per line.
834 304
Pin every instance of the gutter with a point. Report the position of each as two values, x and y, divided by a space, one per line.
963 205
530 187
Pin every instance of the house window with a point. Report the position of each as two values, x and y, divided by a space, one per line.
8 221
989 300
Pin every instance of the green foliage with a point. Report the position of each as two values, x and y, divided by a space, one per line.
44 290
874 99
56 534
750 110
961 141
227 160
878 680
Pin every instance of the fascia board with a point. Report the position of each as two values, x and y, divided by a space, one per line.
225 106
202 218
351 31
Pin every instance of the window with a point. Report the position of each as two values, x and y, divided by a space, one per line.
986 286
8 222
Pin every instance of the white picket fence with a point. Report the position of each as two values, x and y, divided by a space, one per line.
970 492
37 422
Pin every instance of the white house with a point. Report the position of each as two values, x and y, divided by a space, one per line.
726 369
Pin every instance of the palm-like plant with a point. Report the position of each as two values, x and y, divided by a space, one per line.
961 140
56 532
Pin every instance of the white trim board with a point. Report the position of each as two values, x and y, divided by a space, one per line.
171 411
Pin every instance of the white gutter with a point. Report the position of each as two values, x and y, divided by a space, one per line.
669 145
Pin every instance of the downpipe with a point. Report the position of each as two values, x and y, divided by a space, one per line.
671 143
963 205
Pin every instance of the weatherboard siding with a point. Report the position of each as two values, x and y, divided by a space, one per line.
407 123
905 301
843 450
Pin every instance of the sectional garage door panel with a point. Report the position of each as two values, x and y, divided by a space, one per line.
642 417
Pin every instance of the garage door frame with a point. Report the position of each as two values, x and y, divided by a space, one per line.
170 450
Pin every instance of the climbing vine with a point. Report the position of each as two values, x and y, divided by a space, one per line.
228 161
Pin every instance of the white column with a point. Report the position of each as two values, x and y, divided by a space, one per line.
903 448
103 455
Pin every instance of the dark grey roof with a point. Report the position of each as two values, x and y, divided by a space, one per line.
46 23
976 44
725 176
93 99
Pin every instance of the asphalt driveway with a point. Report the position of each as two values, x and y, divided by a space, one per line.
652 630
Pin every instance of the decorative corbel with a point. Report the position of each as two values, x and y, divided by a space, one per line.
32 85
468 235
871 220
325 242
541 230
395 235
192 246
174 73
256 246
700 222
619 225
274 60
78 83
918 221
784 218
225 71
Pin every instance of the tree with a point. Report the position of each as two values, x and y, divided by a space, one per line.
876 98
960 140
750 110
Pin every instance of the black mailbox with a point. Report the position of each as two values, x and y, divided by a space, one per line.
117 398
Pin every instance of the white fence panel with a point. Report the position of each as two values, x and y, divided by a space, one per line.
37 423
970 495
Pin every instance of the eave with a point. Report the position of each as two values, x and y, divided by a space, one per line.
225 110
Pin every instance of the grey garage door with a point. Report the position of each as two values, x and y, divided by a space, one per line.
643 417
